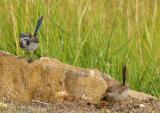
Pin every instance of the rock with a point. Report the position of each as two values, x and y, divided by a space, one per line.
3 106
48 79
85 83
14 78
142 106
43 79
140 96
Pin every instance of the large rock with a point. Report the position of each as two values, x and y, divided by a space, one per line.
85 83
43 79
48 79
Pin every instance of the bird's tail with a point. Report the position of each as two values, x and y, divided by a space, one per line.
124 74
38 25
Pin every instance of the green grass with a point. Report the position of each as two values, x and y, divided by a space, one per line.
102 34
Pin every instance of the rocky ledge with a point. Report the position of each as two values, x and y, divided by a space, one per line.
49 80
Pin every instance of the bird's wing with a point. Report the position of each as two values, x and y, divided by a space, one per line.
34 39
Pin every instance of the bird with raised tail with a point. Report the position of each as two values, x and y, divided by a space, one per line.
118 91
29 42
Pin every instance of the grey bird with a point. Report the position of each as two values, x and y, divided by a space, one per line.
29 42
118 91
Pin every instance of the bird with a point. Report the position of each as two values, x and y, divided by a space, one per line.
29 42
118 91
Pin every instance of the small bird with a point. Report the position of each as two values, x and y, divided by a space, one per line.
29 42
118 91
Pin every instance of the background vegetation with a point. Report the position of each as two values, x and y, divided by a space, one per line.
102 34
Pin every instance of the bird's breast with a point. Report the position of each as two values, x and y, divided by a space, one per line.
32 47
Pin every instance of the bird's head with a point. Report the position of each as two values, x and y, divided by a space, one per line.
25 39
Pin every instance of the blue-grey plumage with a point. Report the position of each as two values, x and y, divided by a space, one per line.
29 42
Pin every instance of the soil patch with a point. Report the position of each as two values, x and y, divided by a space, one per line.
80 106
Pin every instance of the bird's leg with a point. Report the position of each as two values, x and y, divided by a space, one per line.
29 56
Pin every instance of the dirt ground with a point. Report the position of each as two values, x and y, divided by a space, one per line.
130 105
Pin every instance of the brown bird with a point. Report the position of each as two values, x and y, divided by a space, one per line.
118 91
